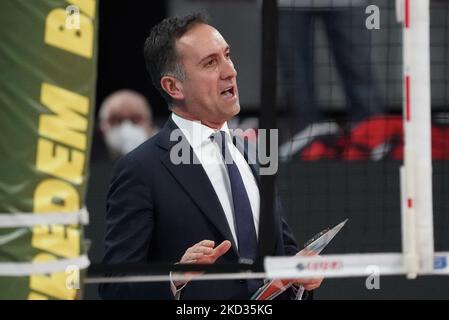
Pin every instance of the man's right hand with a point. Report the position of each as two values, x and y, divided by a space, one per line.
203 252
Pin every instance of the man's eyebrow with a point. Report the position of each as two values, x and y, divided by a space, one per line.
228 48
207 57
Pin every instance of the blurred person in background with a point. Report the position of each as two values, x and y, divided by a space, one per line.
126 121
349 44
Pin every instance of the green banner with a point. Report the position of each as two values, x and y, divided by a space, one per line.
47 97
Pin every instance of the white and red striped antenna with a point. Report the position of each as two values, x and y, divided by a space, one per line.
416 174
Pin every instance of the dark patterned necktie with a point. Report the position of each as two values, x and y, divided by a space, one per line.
243 215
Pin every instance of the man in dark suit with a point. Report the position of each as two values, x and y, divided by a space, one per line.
188 194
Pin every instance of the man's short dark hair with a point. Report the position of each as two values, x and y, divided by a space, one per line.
160 52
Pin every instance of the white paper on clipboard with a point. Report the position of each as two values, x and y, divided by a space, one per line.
315 245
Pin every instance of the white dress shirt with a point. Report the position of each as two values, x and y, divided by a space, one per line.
210 157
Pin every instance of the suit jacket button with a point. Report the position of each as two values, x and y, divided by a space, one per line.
242 280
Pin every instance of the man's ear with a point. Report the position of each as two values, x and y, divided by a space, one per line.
173 87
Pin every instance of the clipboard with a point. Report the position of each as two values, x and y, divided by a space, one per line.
315 245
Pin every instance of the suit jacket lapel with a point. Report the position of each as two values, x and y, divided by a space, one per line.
195 182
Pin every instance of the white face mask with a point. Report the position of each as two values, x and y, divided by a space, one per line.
125 137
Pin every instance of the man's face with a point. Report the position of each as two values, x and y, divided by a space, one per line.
210 88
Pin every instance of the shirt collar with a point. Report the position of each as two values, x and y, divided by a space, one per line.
195 132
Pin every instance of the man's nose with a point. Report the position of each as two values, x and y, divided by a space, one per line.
228 71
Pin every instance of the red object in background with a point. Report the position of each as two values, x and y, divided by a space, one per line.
370 135
440 142
377 138
397 153
318 150
362 143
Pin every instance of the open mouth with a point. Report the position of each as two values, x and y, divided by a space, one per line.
228 93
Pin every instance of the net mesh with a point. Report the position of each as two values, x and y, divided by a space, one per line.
341 93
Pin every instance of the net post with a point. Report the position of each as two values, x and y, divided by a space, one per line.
267 121
417 183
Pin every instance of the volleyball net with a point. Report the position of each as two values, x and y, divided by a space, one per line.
381 161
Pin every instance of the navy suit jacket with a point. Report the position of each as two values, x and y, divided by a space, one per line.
157 209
